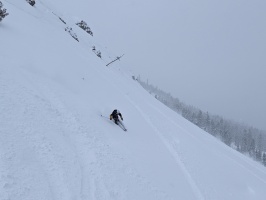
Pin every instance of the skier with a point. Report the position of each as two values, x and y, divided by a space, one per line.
115 115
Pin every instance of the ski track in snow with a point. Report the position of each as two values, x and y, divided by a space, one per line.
48 150
92 162
37 140
221 144
171 149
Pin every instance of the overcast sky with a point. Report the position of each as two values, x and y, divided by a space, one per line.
208 53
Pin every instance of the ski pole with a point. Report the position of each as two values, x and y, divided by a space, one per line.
105 116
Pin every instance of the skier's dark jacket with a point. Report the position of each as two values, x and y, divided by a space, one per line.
115 115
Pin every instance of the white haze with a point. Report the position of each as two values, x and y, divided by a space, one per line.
54 144
208 53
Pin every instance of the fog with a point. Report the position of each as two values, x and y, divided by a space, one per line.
208 53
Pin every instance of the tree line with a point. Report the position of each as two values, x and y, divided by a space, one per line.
239 136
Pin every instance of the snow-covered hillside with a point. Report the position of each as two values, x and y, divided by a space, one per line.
55 145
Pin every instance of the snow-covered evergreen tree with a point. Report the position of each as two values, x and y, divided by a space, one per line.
31 2
85 27
258 155
264 159
3 12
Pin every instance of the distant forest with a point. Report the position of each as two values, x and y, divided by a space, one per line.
241 137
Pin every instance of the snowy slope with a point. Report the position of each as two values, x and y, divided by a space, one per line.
55 145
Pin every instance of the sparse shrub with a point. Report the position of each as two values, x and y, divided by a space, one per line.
70 31
3 12
31 2
85 27
99 54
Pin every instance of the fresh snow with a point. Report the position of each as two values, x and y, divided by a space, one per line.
54 143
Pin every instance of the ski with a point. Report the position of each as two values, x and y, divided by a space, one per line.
120 124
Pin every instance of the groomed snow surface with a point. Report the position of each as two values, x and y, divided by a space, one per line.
54 144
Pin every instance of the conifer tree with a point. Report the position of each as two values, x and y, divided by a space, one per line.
258 155
85 27
3 12
31 2
264 159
